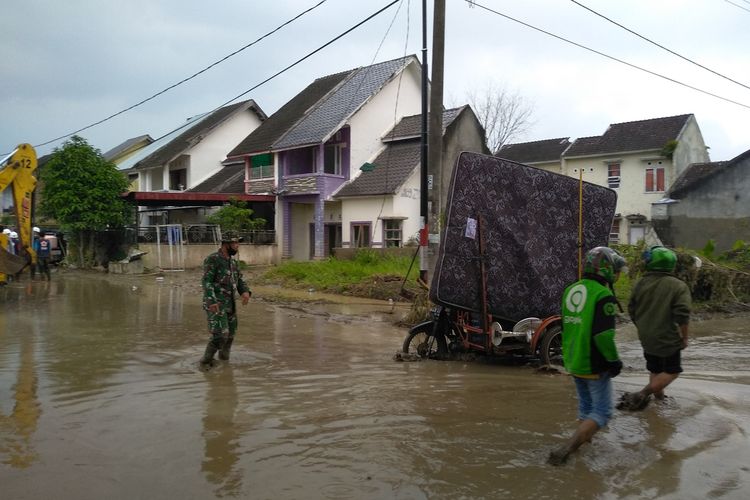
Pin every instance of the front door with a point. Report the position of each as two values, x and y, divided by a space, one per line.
637 233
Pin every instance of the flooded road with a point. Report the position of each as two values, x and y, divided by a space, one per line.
101 397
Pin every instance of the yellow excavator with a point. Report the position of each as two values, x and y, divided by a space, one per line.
17 173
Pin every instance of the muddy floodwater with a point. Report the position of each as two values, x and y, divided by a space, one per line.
101 397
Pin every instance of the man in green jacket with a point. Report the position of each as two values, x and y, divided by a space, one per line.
589 309
221 275
660 308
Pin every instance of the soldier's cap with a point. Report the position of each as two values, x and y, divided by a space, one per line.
230 237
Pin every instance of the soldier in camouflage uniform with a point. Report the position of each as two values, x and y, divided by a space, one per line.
221 275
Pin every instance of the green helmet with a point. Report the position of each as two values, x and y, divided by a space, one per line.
658 258
604 262
230 237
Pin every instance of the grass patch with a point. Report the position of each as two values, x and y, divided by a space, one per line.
369 269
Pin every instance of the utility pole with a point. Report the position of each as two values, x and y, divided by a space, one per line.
435 133
424 231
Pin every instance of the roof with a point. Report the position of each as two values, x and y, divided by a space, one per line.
639 135
536 151
393 166
410 127
123 147
320 109
696 173
168 147
187 199
230 179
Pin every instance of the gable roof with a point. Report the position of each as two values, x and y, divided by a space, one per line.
535 151
410 127
125 146
320 109
640 135
171 145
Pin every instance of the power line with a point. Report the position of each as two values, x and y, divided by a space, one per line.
321 2
611 57
371 16
739 6
659 45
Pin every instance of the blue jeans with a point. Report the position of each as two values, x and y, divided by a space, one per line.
595 399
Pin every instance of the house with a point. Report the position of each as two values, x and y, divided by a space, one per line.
638 159
381 206
545 154
313 144
166 168
708 201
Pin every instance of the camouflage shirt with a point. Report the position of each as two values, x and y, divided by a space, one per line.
221 276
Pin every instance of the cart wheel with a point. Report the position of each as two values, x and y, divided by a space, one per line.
550 350
423 343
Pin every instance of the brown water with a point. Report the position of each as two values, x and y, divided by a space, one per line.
100 397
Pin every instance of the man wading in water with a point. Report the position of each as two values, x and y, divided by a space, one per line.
589 308
221 275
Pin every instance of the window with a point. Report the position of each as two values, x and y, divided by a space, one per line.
654 177
392 233
361 234
261 167
613 175
177 179
332 158
614 232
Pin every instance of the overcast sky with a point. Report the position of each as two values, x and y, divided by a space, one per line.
67 64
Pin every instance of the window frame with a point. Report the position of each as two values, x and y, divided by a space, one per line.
358 229
655 178
613 181
338 158
393 234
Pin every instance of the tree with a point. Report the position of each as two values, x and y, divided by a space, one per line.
504 114
82 191
236 216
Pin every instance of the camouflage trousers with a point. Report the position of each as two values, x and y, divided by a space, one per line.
222 325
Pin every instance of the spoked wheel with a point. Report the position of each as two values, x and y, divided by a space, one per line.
550 347
424 344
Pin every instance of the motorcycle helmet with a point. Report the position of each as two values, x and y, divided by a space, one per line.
604 262
13 234
6 231
35 229
658 258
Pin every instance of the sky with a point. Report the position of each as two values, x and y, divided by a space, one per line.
66 65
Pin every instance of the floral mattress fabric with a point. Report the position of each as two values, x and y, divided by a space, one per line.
528 220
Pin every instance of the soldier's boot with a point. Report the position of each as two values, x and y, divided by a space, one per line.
225 348
207 361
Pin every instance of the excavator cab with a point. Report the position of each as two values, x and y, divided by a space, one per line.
17 173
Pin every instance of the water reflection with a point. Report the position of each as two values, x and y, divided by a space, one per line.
17 428
220 433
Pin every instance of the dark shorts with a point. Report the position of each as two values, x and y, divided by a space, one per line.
663 364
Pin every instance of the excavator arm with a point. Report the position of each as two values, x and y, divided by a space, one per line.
17 173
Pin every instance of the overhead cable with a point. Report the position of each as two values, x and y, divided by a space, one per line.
610 57
321 2
738 6
659 45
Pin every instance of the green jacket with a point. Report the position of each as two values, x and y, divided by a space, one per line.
588 314
658 304
221 275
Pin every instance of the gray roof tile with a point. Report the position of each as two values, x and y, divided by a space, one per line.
534 152
333 110
393 166
639 135
410 127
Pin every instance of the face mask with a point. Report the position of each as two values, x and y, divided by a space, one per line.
231 251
